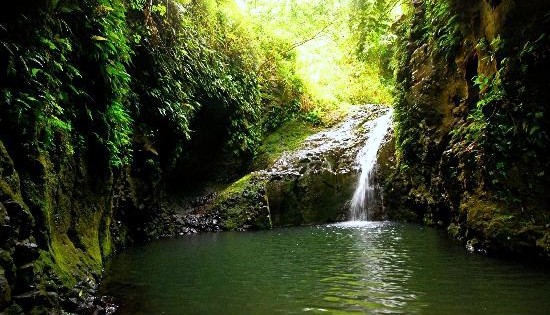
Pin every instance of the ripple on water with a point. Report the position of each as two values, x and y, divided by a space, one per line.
344 268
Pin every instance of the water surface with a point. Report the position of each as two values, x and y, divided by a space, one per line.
351 268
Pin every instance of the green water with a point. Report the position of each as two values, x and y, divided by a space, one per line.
366 268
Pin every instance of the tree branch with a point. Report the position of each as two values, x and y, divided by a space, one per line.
298 44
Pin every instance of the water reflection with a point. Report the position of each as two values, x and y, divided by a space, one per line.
376 277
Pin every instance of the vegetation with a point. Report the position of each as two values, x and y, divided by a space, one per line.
471 117
287 138
105 103
321 36
115 75
113 70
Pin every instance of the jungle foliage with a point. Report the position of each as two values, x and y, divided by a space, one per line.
115 76
322 36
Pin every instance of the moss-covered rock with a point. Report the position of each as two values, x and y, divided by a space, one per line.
310 199
288 137
50 235
243 205
311 183
499 227
472 123
55 230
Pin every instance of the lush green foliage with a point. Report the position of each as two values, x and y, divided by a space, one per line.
320 36
50 88
442 31
101 73
372 23
111 52
181 66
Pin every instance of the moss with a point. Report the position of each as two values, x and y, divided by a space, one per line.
74 218
323 195
243 204
287 138
105 238
503 227
484 215
73 263
312 198
88 234
9 179
237 187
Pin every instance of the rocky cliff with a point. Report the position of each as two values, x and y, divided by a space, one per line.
312 184
472 116
59 220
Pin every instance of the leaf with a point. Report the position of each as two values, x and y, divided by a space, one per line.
99 38
49 43
534 129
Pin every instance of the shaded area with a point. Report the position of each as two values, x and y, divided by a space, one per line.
471 110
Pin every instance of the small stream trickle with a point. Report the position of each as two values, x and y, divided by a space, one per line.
366 159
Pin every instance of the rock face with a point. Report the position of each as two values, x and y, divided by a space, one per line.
315 183
56 228
472 121
307 186
38 226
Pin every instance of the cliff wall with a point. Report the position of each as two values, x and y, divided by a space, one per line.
472 117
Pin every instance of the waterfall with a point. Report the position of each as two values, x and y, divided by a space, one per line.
366 159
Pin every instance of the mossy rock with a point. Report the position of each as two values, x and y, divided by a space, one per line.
260 200
284 203
286 138
312 198
5 290
243 205
502 228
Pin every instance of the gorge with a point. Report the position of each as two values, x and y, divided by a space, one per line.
123 122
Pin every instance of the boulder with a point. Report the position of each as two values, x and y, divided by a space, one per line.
310 185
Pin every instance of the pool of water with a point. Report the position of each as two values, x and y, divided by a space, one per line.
349 268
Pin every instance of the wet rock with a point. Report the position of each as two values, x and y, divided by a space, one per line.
26 251
27 300
7 265
5 291
106 305
83 299
19 217
26 278
13 309
314 183
6 234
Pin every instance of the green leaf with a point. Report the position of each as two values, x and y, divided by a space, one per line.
534 129
99 38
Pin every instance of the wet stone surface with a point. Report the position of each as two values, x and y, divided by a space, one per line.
332 150
310 185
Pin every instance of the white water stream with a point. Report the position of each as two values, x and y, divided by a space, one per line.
366 159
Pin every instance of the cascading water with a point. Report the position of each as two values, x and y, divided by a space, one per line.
366 159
